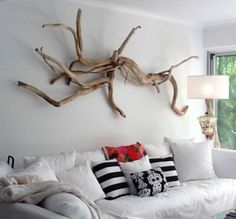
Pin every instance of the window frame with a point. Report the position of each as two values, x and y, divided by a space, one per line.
211 57
211 68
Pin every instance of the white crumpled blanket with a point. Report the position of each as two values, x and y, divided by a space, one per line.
192 200
28 189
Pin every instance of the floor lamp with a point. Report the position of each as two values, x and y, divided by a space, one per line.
209 87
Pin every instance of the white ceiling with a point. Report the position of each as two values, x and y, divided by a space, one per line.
201 12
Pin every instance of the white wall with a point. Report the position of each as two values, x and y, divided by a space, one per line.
220 36
28 125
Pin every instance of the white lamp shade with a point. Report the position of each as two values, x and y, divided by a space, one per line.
208 87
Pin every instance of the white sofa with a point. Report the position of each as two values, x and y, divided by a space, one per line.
195 199
224 162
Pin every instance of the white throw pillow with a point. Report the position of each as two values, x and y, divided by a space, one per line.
68 205
29 160
83 177
89 156
5 169
41 169
133 167
58 163
159 150
193 161
170 140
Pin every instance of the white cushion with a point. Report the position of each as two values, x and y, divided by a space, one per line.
133 167
89 156
58 163
28 160
170 140
41 169
193 161
68 205
5 169
159 150
200 199
83 177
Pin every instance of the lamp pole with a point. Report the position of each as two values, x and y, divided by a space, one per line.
210 112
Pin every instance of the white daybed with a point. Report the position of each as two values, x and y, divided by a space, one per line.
193 200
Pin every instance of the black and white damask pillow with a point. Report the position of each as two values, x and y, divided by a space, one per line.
149 182
111 178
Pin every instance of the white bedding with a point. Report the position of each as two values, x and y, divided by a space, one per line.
192 200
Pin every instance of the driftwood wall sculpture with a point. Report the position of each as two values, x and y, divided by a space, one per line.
105 68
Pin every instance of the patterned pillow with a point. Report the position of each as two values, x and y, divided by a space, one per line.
125 153
111 178
168 167
149 182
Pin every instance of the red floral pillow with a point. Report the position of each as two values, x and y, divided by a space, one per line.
125 153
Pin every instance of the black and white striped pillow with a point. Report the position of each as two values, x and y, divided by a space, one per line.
168 168
111 178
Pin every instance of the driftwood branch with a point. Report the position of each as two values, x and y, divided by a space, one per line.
123 45
111 75
105 68
49 99
182 110
78 30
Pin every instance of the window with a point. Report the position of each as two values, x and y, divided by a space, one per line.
225 64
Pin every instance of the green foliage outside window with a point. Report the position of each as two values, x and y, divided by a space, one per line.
226 109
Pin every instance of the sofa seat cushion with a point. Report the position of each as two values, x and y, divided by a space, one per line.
192 200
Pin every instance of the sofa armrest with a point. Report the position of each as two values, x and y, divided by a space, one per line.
224 162
26 211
